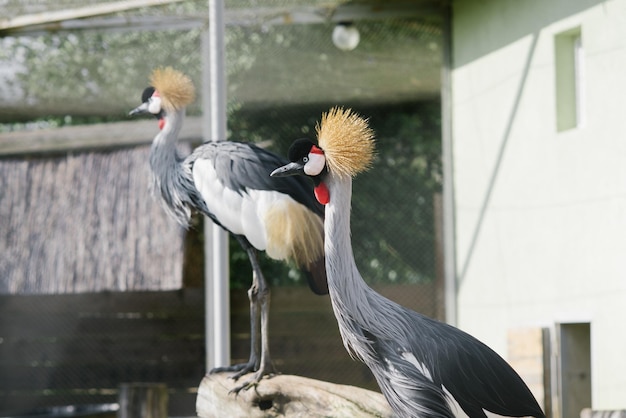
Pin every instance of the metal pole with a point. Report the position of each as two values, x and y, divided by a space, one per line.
449 236
216 239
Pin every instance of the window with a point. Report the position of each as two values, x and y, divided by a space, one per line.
569 72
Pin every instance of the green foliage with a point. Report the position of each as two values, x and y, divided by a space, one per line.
98 69
392 218
392 207
393 214
102 75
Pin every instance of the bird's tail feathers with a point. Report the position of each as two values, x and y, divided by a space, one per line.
316 276
295 233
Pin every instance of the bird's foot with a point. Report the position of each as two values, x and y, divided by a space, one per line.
241 369
254 380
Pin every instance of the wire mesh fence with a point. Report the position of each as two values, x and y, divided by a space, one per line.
91 66
283 71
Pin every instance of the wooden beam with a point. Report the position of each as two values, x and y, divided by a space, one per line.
113 24
88 137
72 20
335 13
78 13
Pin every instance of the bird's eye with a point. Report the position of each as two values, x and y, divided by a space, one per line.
305 160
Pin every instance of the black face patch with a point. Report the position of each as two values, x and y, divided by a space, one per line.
147 93
300 149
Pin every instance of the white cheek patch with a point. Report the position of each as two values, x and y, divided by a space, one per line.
315 165
154 105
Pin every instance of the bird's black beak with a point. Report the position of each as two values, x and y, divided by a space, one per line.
139 110
290 169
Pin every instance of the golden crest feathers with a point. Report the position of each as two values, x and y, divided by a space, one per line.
175 88
347 141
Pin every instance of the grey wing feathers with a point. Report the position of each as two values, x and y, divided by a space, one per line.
242 166
409 391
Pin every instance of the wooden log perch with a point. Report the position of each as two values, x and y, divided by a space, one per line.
287 396
589 413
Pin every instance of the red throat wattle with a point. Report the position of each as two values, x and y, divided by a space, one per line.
161 123
321 193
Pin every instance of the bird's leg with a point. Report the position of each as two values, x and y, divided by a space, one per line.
261 294
255 347
253 362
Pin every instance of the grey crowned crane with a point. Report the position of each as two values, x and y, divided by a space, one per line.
424 368
229 182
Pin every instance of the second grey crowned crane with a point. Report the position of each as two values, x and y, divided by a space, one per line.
229 182
425 368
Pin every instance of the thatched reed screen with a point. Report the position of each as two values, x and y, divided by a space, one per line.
85 222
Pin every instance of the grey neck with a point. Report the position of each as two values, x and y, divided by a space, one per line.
358 308
164 143
170 181
350 295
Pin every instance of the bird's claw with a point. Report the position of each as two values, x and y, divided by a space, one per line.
253 382
247 385
247 368
266 370
241 369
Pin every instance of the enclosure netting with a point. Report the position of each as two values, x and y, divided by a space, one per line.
283 71
97 68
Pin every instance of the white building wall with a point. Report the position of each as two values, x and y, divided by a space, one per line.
541 215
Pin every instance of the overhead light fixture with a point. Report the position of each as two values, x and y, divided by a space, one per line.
346 36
